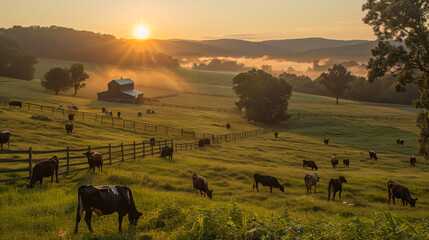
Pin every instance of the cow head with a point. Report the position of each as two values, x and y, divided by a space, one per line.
134 217
413 202
282 188
316 167
317 177
342 179
88 154
209 194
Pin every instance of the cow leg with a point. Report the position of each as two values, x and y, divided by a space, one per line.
333 196
41 179
339 194
403 202
88 216
257 189
120 222
393 199
329 195
78 217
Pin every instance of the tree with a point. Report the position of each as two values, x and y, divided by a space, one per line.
78 76
57 79
264 97
401 27
337 79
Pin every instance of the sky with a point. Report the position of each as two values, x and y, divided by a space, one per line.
253 20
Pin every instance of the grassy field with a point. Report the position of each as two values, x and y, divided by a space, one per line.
162 188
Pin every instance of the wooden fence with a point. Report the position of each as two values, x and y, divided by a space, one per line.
352 116
225 110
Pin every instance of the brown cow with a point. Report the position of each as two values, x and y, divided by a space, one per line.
336 185
69 127
45 168
267 181
326 141
95 159
346 162
201 184
309 163
71 116
276 134
228 126
103 109
396 190
167 152
413 161
334 162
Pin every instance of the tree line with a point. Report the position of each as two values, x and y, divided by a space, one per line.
84 46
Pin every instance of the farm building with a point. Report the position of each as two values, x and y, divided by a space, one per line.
121 90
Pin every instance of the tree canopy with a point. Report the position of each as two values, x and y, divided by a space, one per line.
57 79
264 97
337 80
401 27
78 76
15 62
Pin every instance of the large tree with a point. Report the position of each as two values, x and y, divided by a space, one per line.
401 27
57 79
78 76
337 80
264 97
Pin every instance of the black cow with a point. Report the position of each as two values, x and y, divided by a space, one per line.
326 141
334 162
413 161
119 114
396 190
276 134
336 185
167 152
228 126
139 113
346 162
373 155
152 142
309 163
105 200
5 138
400 142
95 159
45 168
201 184
266 180
15 104
203 142
111 113
69 128
71 116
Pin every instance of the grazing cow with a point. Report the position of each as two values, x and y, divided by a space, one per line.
152 112
228 126
108 113
266 180
60 107
105 200
400 142
309 163
95 159
149 111
15 104
167 152
45 168
152 142
201 184
396 190
276 134
69 127
334 162
5 138
203 142
103 109
336 185
373 155
119 114
413 161
72 108
111 114
71 116
326 141
346 162
311 180
139 113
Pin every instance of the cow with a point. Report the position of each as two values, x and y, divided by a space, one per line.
334 162
71 116
346 162
152 142
203 142
373 155
266 180
111 113
167 152
400 142
413 161
15 104
119 114
95 159
336 185
60 107
201 184
108 113
69 128
5 138
326 141
396 190
276 134
73 108
311 180
45 168
149 111
309 163
139 113
105 200
103 109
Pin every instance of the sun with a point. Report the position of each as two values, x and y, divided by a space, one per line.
141 32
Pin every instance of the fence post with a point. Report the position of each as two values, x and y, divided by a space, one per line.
30 162
122 151
134 150
68 160
110 154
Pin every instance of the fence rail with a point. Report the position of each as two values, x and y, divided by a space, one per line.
202 108
351 116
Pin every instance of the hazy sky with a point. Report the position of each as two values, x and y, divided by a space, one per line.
196 19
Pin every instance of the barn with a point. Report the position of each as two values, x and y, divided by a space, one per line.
121 90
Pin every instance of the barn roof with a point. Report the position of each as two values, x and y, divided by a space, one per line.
132 92
123 81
